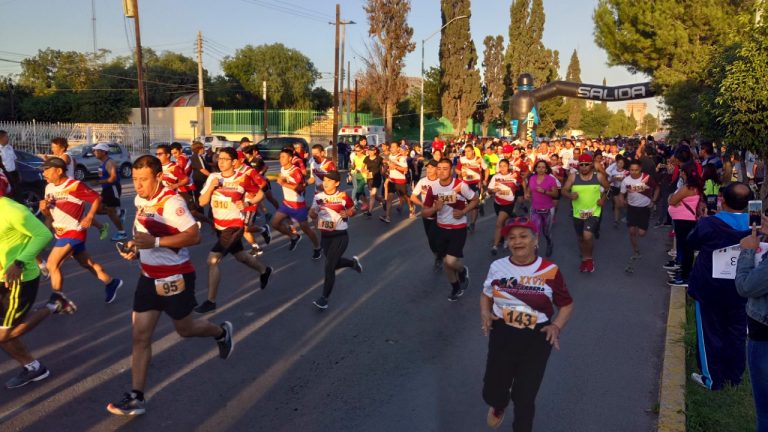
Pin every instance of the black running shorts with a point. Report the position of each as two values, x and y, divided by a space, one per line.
16 301
450 241
229 241
638 217
509 209
110 195
590 224
176 306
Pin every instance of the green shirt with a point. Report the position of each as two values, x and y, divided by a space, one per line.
491 160
589 193
22 237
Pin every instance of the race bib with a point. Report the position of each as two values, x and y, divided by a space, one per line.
170 285
504 192
724 260
585 214
220 204
449 198
541 211
326 225
520 317
59 231
469 175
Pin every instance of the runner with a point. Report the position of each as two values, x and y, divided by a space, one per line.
542 190
332 208
504 185
293 208
164 228
187 189
616 173
248 212
372 169
356 173
109 179
588 191
64 210
639 191
319 165
472 169
174 177
450 199
398 168
229 192
417 198
517 312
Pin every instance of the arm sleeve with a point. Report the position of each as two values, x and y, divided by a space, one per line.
488 284
429 199
83 192
468 193
751 281
348 204
560 295
177 214
208 184
39 236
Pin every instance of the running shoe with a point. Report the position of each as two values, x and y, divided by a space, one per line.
119 236
205 307
384 219
671 265
357 266
267 234
110 291
679 282
368 214
464 276
26 376
456 294
294 242
61 304
104 231
121 215
226 343
636 256
494 250
589 266
256 250
43 266
317 254
495 417
128 406
264 278
412 215
672 253
700 380
321 303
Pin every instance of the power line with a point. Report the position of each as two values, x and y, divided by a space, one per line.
290 9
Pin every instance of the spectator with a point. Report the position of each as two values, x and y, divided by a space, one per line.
683 208
438 144
200 167
8 161
343 149
720 318
752 283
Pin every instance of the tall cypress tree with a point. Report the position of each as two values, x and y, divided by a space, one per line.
575 106
493 79
460 90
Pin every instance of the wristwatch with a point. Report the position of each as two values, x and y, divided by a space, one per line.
19 264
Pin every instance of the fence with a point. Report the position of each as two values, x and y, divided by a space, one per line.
279 122
35 137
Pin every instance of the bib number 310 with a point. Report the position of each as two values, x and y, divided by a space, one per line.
169 286
520 317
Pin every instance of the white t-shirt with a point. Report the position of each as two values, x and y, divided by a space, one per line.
455 195
637 190
615 176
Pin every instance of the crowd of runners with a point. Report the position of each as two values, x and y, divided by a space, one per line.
524 303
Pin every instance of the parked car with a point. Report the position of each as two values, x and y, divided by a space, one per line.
269 148
87 165
32 187
217 141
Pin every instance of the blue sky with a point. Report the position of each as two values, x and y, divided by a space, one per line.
30 25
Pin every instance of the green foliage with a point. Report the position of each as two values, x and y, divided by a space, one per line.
460 89
321 99
432 103
493 77
594 122
650 124
621 124
51 70
290 75
574 106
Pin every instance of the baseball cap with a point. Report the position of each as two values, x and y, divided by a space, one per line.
507 148
102 147
586 157
404 146
333 175
371 147
244 140
54 162
518 222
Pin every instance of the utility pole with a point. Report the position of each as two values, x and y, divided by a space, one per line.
200 92
93 24
349 95
344 73
335 155
356 122
266 117
131 10
10 98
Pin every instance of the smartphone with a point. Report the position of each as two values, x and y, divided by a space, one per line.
122 248
755 209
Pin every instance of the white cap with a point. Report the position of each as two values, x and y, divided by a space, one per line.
102 147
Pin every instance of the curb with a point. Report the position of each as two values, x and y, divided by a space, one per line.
672 388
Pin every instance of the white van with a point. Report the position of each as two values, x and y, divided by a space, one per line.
352 134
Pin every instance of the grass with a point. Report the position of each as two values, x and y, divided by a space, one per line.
729 410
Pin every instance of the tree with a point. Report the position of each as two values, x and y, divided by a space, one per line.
575 106
321 99
621 124
290 75
432 103
493 77
595 121
388 25
52 70
460 80
650 124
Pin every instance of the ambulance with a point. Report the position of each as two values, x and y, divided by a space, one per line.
352 135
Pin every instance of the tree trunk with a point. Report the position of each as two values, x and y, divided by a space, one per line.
485 129
388 110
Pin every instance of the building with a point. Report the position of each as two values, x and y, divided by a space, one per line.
637 110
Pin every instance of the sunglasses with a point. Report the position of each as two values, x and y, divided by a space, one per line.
159 154
585 164
518 220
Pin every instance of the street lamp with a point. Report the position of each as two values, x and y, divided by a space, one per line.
421 116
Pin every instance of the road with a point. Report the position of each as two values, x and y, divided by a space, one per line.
391 353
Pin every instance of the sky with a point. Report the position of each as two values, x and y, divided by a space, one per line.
300 24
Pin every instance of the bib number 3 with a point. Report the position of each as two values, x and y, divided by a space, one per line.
520 317
169 286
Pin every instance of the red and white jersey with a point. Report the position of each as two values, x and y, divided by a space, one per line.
455 195
422 188
293 197
329 208
539 286
186 167
299 162
507 185
520 165
256 178
231 190
397 161
172 174
320 169
471 170
67 205
163 215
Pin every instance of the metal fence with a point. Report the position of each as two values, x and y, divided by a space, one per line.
36 137
279 122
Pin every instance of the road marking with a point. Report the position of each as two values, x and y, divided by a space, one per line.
672 388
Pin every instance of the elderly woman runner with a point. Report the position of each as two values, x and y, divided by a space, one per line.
517 311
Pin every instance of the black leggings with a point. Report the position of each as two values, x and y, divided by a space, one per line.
334 246
515 367
684 252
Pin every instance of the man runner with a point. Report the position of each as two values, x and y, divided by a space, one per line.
164 228
638 191
109 179
398 168
472 169
417 198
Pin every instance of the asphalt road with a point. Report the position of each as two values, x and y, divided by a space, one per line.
391 353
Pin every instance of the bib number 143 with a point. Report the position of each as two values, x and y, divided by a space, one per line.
520 317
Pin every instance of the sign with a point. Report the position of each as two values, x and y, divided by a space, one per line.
724 260
193 123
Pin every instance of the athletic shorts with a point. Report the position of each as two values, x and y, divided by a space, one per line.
297 214
110 195
16 301
614 191
474 186
509 209
450 241
228 241
400 188
590 224
176 306
374 182
78 246
638 217
248 216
